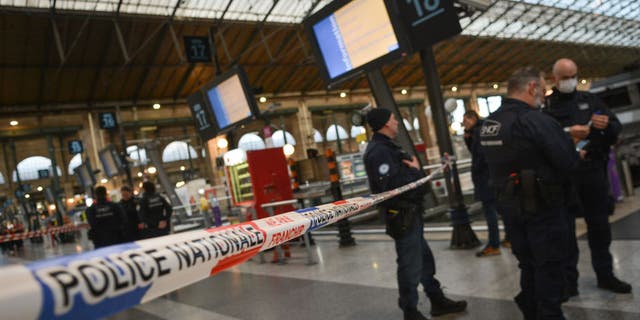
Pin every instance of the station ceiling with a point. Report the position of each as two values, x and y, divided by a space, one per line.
58 56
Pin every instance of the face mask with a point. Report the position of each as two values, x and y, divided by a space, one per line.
568 85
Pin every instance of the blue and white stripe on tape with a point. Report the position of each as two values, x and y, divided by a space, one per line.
108 280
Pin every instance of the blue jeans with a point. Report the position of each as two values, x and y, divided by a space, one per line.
415 265
491 215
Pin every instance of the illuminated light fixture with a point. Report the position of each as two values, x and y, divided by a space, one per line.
583 81
496 86
70 201
156 106
548 92
404 91
222 143
201 191
152 170
454 89
13 123
39 188
135 192
180 184
262 99
52 207
456 126
27 196
182 168
288 150
104 180
343 94
140 174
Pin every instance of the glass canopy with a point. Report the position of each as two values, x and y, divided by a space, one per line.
598 22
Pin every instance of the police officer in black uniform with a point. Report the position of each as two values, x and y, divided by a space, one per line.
107 219
389 167
594 129
528 155
155 212
130 205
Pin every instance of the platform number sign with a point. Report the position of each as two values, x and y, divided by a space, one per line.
75 146
425 22
197 49
201 117
108 120
43 173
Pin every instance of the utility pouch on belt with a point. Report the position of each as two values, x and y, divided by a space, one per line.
400 221
529 199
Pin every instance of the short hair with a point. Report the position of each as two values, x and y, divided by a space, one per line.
471 114
125 188
149 187
522 77
101 192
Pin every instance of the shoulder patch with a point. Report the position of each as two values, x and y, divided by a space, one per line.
383 169
583 106
490 128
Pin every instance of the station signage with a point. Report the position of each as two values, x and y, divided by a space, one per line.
197 49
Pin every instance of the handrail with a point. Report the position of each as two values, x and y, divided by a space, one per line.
103 282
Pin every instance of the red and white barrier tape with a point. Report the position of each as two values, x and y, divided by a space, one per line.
40 233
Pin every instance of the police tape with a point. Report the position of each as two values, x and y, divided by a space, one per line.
40 233
105 281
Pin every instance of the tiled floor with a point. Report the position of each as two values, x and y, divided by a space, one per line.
359 283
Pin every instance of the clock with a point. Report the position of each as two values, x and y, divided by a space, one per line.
357 119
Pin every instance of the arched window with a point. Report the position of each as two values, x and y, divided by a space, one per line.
251 141
357 130
1 178
416 124
29 167
75 162
139 155
331 133
317 136
177 150
407 125
278 138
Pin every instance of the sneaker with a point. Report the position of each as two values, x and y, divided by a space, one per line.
444 305
414 314
615 285
488 251
506 244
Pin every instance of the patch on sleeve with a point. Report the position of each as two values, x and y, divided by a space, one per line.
383 169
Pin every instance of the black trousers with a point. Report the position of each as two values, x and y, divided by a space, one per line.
539 243
593 191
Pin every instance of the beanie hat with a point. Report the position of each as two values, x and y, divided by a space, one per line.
377 118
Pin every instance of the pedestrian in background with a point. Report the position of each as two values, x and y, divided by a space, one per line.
129 204
480 177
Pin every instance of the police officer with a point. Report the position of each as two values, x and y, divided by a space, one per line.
480 177
107 219
594 129
155 212
389 167
130 205
528 155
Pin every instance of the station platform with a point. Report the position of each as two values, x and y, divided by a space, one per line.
360 282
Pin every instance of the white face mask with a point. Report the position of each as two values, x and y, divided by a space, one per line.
568 85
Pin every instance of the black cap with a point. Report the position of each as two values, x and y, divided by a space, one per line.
377 118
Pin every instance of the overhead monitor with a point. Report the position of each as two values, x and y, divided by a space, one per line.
231 100
84 174
351 36
111 162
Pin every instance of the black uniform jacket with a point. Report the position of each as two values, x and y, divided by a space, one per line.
386 171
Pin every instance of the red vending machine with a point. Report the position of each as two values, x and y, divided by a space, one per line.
264 178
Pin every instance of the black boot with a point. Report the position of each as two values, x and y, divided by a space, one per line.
414 314
614 284
442 305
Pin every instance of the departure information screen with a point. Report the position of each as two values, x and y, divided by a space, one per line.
354 35
229 102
